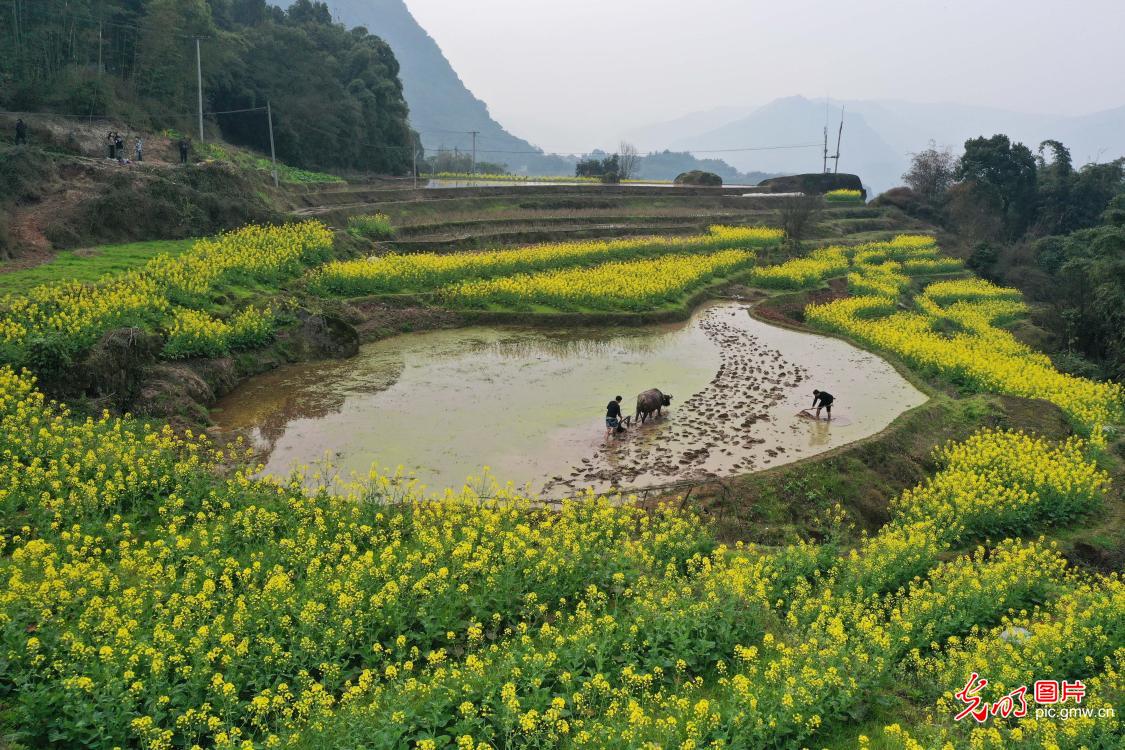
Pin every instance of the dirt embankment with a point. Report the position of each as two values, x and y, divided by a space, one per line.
797 498
789 309
59 203
62 190
124 371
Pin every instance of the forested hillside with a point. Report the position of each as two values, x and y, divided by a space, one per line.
1036 221
443 109
336 95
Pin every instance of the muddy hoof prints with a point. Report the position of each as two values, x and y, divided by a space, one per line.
713 432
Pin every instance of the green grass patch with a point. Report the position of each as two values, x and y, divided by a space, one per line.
91 264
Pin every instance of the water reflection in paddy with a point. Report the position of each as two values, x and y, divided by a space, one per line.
529 403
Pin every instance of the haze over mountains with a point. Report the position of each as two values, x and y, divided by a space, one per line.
879 135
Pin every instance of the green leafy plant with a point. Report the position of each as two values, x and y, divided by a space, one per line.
370 227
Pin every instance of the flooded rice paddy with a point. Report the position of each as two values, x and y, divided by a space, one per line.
530 403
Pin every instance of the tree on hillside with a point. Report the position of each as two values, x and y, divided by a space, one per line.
608 168
628 161
1003 171
1055 180
931 173
166 62
798 214
1087 270
336 94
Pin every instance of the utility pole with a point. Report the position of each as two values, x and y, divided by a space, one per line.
824 167
273 154
199 82
16 27
475 134
839 136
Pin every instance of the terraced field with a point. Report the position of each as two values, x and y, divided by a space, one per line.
160 593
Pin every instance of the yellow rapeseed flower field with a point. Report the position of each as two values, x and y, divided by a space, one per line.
57 320
631 285
157 592
425 272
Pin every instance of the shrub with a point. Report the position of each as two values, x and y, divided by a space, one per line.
370 227
699 177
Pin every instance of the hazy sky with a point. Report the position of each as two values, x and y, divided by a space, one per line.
563 73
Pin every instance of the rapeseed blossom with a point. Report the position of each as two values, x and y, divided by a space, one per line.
428 272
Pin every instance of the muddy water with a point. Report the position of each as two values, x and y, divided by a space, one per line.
530 403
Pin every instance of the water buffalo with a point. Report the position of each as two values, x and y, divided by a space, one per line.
651 401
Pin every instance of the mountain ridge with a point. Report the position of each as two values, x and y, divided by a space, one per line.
889 131
442 108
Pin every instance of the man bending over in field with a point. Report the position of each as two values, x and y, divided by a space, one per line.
823 400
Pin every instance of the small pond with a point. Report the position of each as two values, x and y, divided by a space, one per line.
529 403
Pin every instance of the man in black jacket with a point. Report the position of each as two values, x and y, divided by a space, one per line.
21 133
612 416
823 400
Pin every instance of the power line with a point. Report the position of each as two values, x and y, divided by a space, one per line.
587 151
411 148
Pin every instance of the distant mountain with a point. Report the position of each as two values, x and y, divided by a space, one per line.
667 165
879 135
442 108
658 136
797 124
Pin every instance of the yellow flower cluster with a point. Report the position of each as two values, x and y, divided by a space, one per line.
843 195
902 248
884 279
969 290
256 252
1077 636
630 285
424 272
953 335
932 266
196 334
59 469
1006 482
803 272
67 318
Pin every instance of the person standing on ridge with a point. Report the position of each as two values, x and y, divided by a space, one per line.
612 416
183 150
21 133
138 150
823 400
